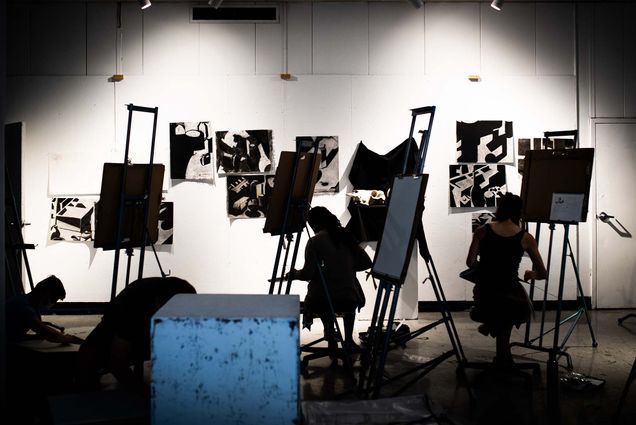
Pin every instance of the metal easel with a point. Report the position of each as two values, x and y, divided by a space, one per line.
536 343
380 338
15 241
566 170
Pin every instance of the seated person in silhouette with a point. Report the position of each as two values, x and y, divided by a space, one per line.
500 300
340 256
122 338
24 313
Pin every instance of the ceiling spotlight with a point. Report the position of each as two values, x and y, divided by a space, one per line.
144 4
496 4
416 3
215 3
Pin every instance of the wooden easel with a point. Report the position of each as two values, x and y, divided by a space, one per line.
130 203
294 183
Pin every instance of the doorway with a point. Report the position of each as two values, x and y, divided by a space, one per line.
615 280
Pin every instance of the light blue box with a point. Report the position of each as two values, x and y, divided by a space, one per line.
226 359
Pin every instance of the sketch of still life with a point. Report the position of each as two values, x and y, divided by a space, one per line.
476 185
328 174
72 219
244 152
166 223
485 142
248 196
191 151
480 219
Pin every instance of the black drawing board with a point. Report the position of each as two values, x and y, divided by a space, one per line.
549 172
107 209
302 192
406 203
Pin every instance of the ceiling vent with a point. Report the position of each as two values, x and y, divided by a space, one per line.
235 14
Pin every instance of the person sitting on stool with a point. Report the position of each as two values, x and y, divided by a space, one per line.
500 300
122 338
24 313
340 256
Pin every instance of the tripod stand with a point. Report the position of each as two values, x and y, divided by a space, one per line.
405 195
557 346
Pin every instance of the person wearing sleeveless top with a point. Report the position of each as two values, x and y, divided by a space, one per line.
500 300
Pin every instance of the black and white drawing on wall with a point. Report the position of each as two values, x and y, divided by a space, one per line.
191 151
166 223
481 218
538 143
523 146
248 195
485 142
328 174
72 219
476 185
246 151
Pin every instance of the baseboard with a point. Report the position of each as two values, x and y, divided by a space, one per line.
425 306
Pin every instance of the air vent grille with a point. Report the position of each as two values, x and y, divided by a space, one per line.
235 14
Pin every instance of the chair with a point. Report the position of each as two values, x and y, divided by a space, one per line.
316 352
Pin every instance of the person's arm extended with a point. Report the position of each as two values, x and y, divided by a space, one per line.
307 272
538 271
53 335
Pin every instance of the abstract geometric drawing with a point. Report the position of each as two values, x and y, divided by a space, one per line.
166 223
480 219
328 175
191 151
246 151
461 183
476 185
248 195
485 142
72 219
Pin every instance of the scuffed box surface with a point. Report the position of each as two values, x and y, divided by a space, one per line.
226 359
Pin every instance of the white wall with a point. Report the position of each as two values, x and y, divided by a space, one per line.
358 68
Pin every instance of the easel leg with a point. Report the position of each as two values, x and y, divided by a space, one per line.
582 296
385 347
373 338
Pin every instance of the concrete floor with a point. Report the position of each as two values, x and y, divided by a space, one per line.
499 399
504 399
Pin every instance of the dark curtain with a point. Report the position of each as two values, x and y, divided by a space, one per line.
371 171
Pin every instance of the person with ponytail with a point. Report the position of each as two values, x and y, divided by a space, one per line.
496 250
335 253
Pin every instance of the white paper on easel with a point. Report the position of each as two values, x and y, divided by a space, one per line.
567 207
75 173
